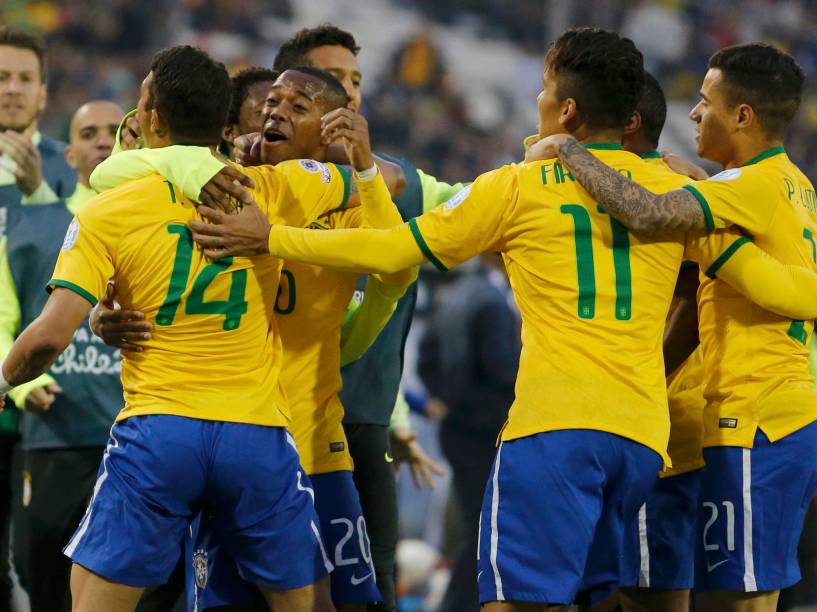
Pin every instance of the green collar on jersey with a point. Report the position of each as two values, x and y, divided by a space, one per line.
651 155
765 155
606 146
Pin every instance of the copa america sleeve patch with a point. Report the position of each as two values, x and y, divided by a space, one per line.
727 175
310 165
71 235
458 198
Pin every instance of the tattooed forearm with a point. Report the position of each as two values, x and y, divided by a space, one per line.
637 208
37 362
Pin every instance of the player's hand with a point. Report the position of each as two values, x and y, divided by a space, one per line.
2 402
547 148
41 398
26 164
247 149
122 329
348 127
227 190
683 166
406 449
238 235
130 136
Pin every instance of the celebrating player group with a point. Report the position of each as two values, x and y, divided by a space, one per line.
663 433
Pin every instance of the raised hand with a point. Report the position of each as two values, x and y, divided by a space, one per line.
348 127
238 235
24 157
227 190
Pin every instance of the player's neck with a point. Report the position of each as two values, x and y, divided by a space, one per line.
747 149
586 136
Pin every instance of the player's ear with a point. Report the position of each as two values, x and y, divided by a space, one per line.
70 158
633 123
568 112
157 126
229 133
745 116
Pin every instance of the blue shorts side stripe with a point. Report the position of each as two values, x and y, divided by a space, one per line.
749 581
500 596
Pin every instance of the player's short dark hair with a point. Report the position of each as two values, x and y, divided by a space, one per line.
191 93
294 51
653 110
602 71
335 95
20 39
242 82
764 77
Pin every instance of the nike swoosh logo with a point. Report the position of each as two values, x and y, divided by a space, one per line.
389 458
480 574
356 581
709 568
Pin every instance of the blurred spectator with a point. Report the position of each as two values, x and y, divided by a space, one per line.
468 359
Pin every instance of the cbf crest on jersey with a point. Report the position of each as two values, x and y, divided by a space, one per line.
200 567
458 198
71 235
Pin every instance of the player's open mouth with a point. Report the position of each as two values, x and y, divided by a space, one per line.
273 135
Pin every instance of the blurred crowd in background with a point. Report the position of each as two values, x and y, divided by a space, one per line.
451 85
432 88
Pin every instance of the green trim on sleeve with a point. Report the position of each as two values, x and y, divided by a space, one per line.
347 185
75 288
418 237
651 155
712 270
710 221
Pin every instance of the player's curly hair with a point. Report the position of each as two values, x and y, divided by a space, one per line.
192 93
764 77
602 71
242 81
293 52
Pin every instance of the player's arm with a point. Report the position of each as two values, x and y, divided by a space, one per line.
637 208
363 324
196 171
435 191
681 334
38 393
38 347
786 290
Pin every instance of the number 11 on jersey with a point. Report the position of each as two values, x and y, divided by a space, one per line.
585 263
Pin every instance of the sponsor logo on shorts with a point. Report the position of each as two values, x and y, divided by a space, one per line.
709 567
728 423
389 458
200 567
356 581
336 447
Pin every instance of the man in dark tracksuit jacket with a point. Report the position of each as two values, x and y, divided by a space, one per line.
469 357
32 171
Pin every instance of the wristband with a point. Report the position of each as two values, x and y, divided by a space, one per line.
367 175
4 386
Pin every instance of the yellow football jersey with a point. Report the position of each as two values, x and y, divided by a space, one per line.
757 362
310 308
593 297
685 397
215 352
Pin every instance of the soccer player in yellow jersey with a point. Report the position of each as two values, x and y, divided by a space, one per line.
588 430
661 547
759 423
310 305
203 426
